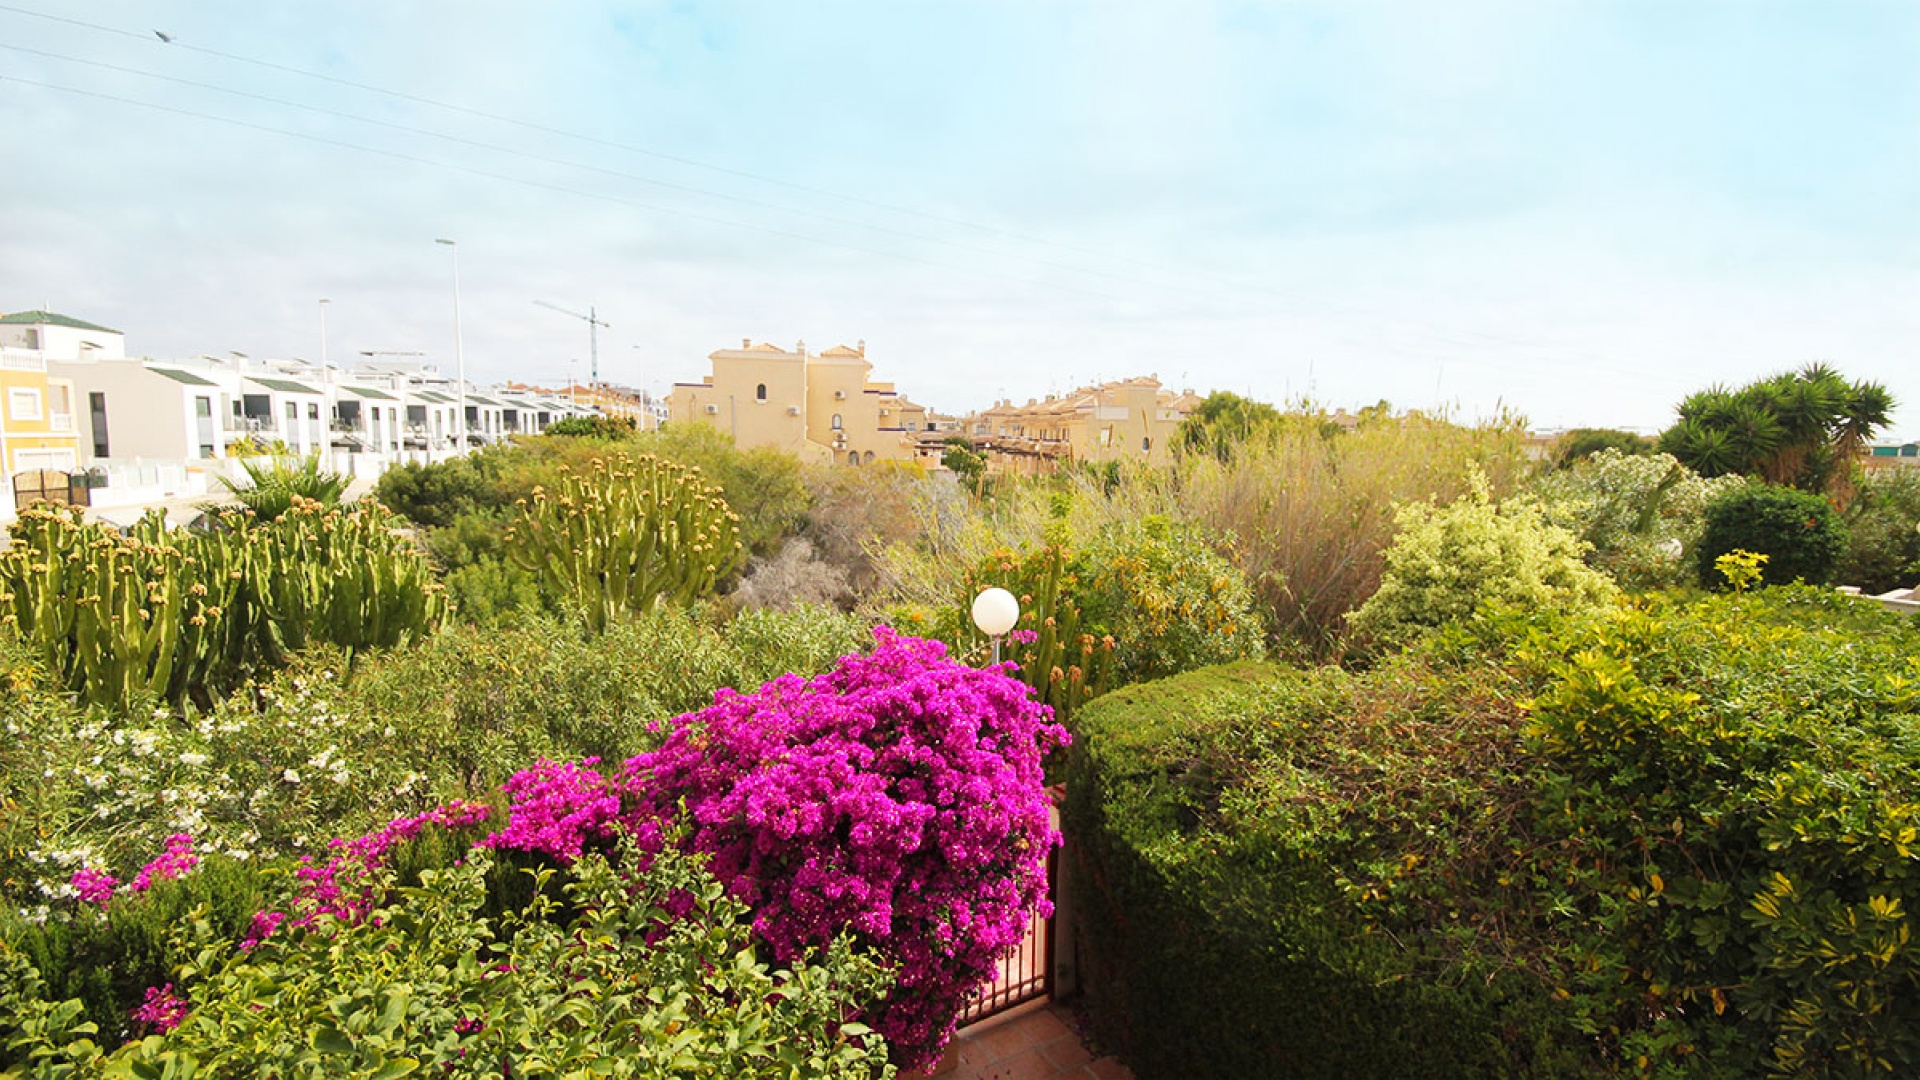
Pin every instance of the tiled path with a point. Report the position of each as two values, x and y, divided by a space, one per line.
1036 1045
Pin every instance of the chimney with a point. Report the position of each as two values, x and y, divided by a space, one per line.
746 343
861 346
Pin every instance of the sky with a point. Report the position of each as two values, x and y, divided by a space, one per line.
1577 211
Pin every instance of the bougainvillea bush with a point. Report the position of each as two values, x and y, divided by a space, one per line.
898 797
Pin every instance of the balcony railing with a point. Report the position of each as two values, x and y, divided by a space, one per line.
22 360
250 423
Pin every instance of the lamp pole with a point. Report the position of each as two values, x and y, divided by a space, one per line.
459 354
995 611
323 332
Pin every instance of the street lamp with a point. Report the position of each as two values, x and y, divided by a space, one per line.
994 612
323 332
459 355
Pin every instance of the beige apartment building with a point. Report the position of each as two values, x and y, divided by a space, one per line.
818 407
1129 419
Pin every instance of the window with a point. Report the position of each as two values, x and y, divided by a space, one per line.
836 421
293 416
1146 445
376 414
23 403
853 457
97 413
313 412
203 408
760 392
869 458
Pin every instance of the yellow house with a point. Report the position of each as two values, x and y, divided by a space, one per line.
1130 419
37 429
818 407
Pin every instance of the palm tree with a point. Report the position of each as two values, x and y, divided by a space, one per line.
272 486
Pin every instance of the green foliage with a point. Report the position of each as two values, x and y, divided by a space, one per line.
437 494
1222 422
1669 841
1883 533
1638 514
964 461
169 613
1449 560
763 485
1169 602
273 487
594 976
1581 443
1740 569
606 428
1797 531
1804 429
624 535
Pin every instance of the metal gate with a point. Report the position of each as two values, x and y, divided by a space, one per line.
1027 975
51 486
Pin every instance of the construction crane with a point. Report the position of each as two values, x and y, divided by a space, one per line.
593 336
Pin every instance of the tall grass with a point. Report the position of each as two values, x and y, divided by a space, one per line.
1307 511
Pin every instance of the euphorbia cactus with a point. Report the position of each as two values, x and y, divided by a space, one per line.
626 534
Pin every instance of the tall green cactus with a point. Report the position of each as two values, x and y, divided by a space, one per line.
625 534
1064 665
178 614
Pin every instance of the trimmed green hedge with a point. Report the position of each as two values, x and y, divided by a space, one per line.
1662 841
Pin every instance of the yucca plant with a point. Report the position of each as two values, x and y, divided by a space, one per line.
274 484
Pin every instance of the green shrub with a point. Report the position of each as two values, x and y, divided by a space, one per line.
1638 513
1169 602
434 495
1667 841
1798 531
592 976
1883 533
605 428
1581 443
1449 560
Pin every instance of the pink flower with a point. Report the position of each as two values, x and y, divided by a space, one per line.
163 1008
172 863
94 886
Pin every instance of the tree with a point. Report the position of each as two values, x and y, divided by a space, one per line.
1804 429
968 464
1581 443
1223 421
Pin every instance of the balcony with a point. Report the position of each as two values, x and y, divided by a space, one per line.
22 360
250 423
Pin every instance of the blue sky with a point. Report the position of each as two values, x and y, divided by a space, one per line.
1581 211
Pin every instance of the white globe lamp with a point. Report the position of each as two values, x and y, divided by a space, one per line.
994 612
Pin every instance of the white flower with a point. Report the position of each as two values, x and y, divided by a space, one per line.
290 776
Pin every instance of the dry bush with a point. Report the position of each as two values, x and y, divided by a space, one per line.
794 576
1308 513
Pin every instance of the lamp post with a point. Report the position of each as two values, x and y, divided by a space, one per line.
323 332
994 612
459 354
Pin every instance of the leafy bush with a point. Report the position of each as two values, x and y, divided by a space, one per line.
1581 443
1798 531
1638 513
643 974
606 428
1447 561
1667 841
1883 534
1169 602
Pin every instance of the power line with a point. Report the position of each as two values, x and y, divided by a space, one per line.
541 184
1321 305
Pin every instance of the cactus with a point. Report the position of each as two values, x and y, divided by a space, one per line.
176 614
1063 665
626 534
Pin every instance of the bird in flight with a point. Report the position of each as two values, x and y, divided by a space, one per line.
163 37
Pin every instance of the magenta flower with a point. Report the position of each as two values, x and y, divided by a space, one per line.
94 886
175 861
163 1008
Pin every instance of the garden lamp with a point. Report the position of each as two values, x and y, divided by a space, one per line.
994 612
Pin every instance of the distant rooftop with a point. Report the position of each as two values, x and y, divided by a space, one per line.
48 318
